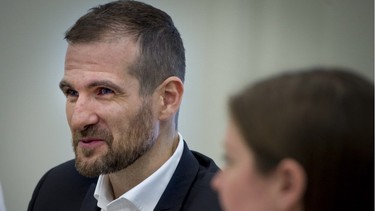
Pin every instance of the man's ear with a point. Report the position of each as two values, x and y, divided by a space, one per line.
170 97
290 185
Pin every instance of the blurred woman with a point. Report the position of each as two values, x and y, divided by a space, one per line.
300 141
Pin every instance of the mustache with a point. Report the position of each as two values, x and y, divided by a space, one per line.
93 132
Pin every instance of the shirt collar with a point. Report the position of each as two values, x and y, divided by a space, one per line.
146 194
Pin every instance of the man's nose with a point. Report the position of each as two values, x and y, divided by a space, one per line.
84 114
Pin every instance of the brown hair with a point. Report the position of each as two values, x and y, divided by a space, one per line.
162 52
324 119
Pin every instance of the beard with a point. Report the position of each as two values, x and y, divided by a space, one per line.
134 141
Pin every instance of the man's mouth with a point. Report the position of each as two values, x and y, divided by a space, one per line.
91 142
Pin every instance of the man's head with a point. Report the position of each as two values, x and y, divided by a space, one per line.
161 51
123 80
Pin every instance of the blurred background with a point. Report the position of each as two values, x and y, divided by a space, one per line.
228 44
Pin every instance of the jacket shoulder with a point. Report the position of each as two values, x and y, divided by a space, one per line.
61 188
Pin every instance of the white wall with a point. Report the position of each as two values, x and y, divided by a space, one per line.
228 44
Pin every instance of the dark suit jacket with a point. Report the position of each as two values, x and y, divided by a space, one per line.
63 188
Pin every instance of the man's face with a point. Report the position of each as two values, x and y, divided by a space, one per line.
111 125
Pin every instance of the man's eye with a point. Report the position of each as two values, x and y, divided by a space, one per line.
71 93
105 91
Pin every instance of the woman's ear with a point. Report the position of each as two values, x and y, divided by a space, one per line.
290 185
170 94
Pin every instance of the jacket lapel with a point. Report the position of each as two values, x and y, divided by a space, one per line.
181 182
89 202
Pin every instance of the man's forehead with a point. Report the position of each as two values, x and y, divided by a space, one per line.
107 49
120 55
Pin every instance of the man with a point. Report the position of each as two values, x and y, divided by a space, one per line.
123 81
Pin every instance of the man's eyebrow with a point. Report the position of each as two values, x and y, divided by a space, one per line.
109 84
63 84
105 83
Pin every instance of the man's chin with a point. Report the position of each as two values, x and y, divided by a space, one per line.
88 166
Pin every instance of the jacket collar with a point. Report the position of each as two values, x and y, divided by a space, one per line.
180 184
89 202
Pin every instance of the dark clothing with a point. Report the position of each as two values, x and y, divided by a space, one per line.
63 188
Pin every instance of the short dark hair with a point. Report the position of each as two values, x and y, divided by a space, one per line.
324 119
162 53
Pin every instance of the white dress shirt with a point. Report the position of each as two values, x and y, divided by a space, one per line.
146 194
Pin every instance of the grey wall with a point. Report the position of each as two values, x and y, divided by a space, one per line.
228 44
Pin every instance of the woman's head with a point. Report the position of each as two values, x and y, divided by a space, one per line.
310 133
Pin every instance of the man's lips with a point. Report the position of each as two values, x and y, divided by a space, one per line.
91 142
